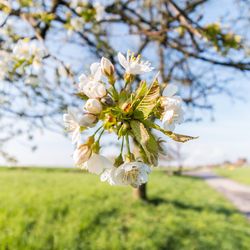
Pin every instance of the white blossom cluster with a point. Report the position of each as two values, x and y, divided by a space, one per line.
24 57
79 6
5 64
30 52
86 156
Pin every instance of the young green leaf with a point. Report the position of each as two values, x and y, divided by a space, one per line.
146 140
148 102
141 90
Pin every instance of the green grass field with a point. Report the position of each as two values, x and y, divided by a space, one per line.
241 175
41 209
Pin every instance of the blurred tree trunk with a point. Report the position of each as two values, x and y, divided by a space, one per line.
179 170
140 192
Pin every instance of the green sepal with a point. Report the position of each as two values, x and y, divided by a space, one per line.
96 147
82 129
118 161
81 96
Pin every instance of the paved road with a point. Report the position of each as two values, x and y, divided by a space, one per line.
237 193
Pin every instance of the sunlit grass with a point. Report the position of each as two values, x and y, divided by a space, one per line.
42 209
238 174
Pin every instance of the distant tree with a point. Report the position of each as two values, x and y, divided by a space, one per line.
45 44
178 156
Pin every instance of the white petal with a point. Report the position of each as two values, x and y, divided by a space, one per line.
171 102
122 60
168 116
97 90
75 136
98 163
181 117
105 176
170 90
66 117
72 113
169 127
87 120
109 176
95 69
83 78
135 69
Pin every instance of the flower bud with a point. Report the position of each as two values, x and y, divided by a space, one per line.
107 67
129 78
96 90
81 154
87 120
92 89
93 106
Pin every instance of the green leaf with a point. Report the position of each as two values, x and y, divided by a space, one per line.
148 102
123 97
146 140
141 90
172 135
179 137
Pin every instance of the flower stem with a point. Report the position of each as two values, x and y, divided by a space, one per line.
100 135
97 130
128 146
122 145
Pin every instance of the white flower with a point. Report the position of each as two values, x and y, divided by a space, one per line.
94 90
75 3
5 64
99 8
109 176
133 65
91 85
170 90
93 106
95 75
171 117
28 50
87 120
131 173
31 80
22 49
78 5
81 154
107 67
97 164
73 123
173 112
77 23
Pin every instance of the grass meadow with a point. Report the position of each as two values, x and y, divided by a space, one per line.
240 174
69 210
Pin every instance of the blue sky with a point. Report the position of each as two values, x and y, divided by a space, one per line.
225 138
